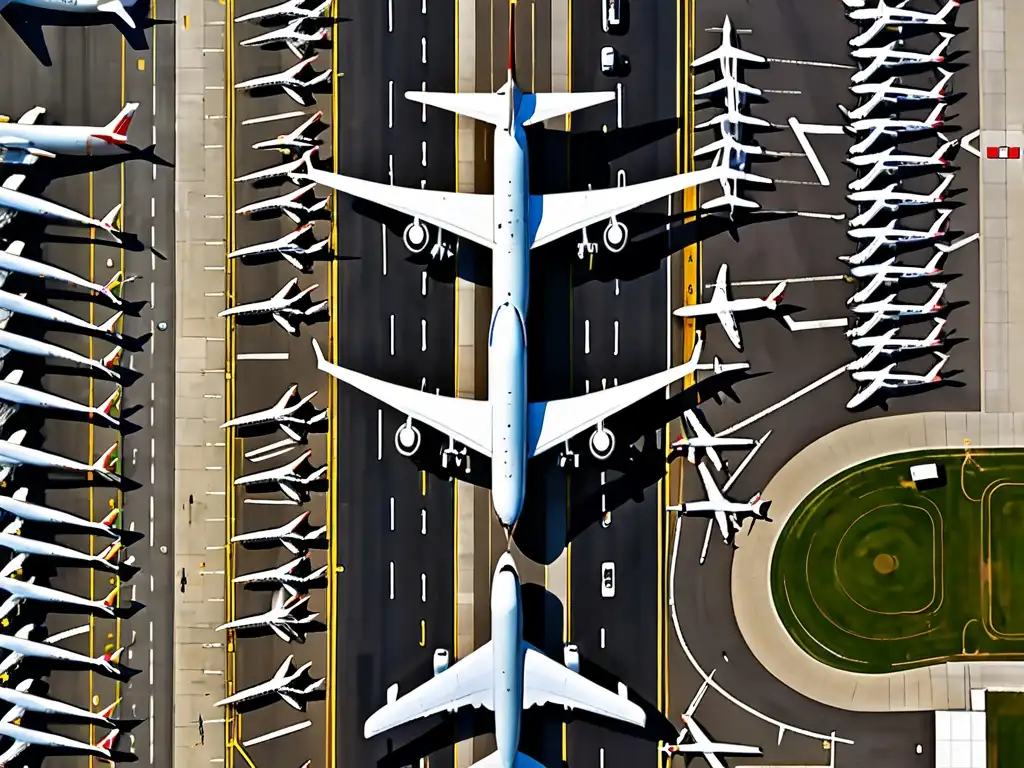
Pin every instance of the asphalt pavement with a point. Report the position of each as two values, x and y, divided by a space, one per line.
83 74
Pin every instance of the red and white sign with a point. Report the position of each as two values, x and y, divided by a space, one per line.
1003 153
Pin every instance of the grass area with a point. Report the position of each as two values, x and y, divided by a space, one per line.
1004 729
873 575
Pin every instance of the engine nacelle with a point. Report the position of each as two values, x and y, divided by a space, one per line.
407 439
440 661
616 235
416 236
602 442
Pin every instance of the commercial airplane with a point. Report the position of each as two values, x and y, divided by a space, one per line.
882 16
890 306
19 647
890 93
298 42
729 515
289 9
725 308
16 506
12 342
116 7
279 618
507 429
889 272
12 201
888 162
24 738
280 306
889 343
287 478
899 129
893 235
296 536
23 138
282 170
294 141
733 155
892 55
699 743
280 684
11 539
13 304
21 697
22 591
727 54
15 395
873 382
892 200
290 204
283 413
14 454
288 247
506 675
704 443
11 260
288 81
286 575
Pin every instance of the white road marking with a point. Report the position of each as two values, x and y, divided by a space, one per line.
804 63
821 279
391 18
423 107
392 513
423 522
391 103
263 356
384 247
269 118
423 7
391 324
423 335
423 284
423 587
602 645
391 570
616 338
618 105
423 50
815 325
586 337
423 154
782 92
278 733
380 434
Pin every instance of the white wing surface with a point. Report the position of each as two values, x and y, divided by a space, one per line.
545 681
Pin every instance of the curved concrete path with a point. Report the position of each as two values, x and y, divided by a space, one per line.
939 687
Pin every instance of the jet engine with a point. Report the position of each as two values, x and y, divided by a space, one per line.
602 442
616 235
416 236
440 661
407 439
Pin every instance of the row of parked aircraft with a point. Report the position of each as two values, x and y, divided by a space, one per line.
880 125
28 526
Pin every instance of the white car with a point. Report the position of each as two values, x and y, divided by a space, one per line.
612 14
571 657
608 60
607 579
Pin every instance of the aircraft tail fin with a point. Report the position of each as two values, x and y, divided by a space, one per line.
109 405
14 377
111 325
933 374
777 294
110 740
111 599
109 222
109 554
110 709
117 128
935 336
111 517
106 464
117 8
947 9
112 360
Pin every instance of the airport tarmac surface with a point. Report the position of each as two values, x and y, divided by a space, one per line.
85 85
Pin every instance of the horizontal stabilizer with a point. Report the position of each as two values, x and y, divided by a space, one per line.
729 201
724 84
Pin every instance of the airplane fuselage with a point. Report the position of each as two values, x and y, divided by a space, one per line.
13 342
45 739
26 546
509 654
22 306
33 649
62 139
37 206
43 705
25 591
34 513
12 454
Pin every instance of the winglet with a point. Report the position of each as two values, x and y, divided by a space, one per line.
111 324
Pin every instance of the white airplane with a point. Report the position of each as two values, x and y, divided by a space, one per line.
727 53
16 506
279 618
24 138
11 260
890 306
287 247
282 170
731 154
286 575
889 343
296 536
892 55
289 9
19 647
889 272
14 454
901 129
13 304
12 201
11 539
15 395
890 93
298 42
289 204
23 591
280 684
12 342
704 442
873 382
729 515
892 199
286 477
505 675
883 16
23 738
117 7
288 81
22 698
726 308
508 428
280 306
892 235
888 162
294 141
283 415
700 743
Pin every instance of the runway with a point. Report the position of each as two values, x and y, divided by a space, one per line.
93 72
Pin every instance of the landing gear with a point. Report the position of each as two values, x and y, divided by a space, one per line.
568 457
458 456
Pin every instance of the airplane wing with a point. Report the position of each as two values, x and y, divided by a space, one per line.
466 215
468 421
545 681
728 322
556 215
468 682
714 495
552 423
283 322
723 54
